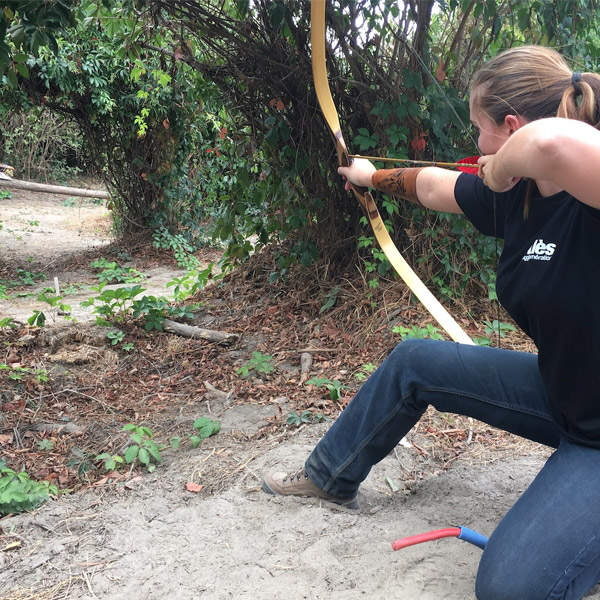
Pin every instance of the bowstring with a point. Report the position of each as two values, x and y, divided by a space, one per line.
403 38
497 252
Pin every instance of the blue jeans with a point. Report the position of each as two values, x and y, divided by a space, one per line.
548 544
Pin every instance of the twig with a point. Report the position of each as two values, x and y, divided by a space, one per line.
89 585
78 393
470 436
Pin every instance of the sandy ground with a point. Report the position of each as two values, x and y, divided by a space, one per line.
153 539
156 540
42 231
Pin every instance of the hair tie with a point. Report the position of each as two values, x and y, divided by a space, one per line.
575 79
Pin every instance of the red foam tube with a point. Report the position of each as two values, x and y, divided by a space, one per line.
426 537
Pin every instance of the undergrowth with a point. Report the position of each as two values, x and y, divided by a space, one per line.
19 493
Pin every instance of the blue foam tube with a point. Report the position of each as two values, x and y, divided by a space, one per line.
468 535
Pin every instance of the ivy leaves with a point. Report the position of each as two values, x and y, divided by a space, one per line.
26 27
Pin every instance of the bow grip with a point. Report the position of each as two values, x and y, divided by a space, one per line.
344 160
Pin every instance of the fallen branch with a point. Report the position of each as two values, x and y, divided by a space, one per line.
18 184
56 428
218 337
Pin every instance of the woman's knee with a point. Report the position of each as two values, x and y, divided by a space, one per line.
500 578
417 361
414 353
491 584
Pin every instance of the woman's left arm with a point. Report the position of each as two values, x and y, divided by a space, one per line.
563 152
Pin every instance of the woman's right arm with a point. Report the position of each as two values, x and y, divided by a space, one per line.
431 187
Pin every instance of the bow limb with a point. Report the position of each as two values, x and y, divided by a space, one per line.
364 197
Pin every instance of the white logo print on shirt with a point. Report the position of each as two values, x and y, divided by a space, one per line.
540 251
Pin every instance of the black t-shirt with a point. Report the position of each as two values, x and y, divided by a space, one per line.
548 281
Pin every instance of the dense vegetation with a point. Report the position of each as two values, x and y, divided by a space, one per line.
196 111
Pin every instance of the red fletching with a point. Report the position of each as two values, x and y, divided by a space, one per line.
469 160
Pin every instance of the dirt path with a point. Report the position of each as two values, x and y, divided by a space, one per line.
150 538
44 232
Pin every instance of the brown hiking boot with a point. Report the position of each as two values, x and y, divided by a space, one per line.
299 484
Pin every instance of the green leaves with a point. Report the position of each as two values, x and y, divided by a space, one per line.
27 27
110 272
365 140
333 386
112 302
19 493
330 300
117 337
205 428
306 417
277 12
242 7
131 454
498 328
261 363
37 319
418 333
152 309
144 450
493 329
111 462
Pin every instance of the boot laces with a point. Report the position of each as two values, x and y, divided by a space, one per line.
297 476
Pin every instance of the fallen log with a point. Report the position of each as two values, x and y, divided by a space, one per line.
30 186
191 331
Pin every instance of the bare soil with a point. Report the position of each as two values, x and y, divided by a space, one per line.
136 535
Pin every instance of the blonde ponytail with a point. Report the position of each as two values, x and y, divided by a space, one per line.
581 100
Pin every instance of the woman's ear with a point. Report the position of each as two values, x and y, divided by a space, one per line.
513 122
